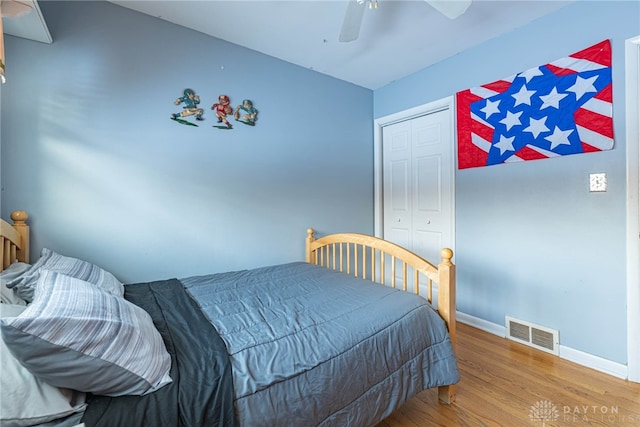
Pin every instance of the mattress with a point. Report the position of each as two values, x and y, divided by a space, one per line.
312 346
287 345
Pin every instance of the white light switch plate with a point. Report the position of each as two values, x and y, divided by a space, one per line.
598 182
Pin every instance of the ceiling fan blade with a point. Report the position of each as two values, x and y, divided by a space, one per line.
450 8
12 8
352 21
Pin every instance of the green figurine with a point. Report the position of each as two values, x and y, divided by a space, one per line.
190 107
248 111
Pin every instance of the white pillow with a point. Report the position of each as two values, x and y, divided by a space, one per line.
83 270
13 272
75 335
27 400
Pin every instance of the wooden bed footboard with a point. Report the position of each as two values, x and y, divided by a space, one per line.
14 239
389 264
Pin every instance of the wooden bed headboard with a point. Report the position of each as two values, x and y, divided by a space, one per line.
14 239
387 263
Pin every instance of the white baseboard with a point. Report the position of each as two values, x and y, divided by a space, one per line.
576 356
476 322
595 362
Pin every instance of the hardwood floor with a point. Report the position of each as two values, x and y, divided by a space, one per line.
507 384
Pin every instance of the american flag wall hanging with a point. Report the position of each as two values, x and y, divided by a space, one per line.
556 109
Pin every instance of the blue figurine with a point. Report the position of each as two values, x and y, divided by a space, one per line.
249 113
190 107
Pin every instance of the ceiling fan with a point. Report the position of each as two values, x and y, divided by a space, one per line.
355 12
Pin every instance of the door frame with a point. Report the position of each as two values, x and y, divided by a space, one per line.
632 85
379 123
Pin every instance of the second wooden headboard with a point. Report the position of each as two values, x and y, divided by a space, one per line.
375 259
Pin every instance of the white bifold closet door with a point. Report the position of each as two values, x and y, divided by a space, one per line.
418 197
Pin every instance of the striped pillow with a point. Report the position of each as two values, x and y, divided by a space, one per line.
74 335
83 270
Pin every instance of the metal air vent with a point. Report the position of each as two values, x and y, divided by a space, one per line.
536 336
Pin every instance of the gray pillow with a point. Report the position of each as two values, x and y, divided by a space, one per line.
83 270
27 400
75 335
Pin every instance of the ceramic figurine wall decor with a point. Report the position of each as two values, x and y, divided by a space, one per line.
246 112
223 109
190 102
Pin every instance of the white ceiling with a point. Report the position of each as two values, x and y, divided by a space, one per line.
396 39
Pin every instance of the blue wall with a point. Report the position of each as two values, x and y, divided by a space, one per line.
89 151
531 240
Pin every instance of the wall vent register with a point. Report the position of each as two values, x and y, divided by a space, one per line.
540 337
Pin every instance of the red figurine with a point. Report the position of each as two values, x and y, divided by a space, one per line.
223 109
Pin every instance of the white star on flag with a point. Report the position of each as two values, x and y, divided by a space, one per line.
490 108
582 86
536 127
523 96
552 99
505 144
559 137
511 119
530 73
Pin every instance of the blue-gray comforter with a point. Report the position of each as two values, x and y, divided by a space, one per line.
310 346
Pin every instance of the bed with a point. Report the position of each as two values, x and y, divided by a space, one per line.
338 339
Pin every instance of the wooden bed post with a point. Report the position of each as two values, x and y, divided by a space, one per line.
19 223
447 309
309 256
